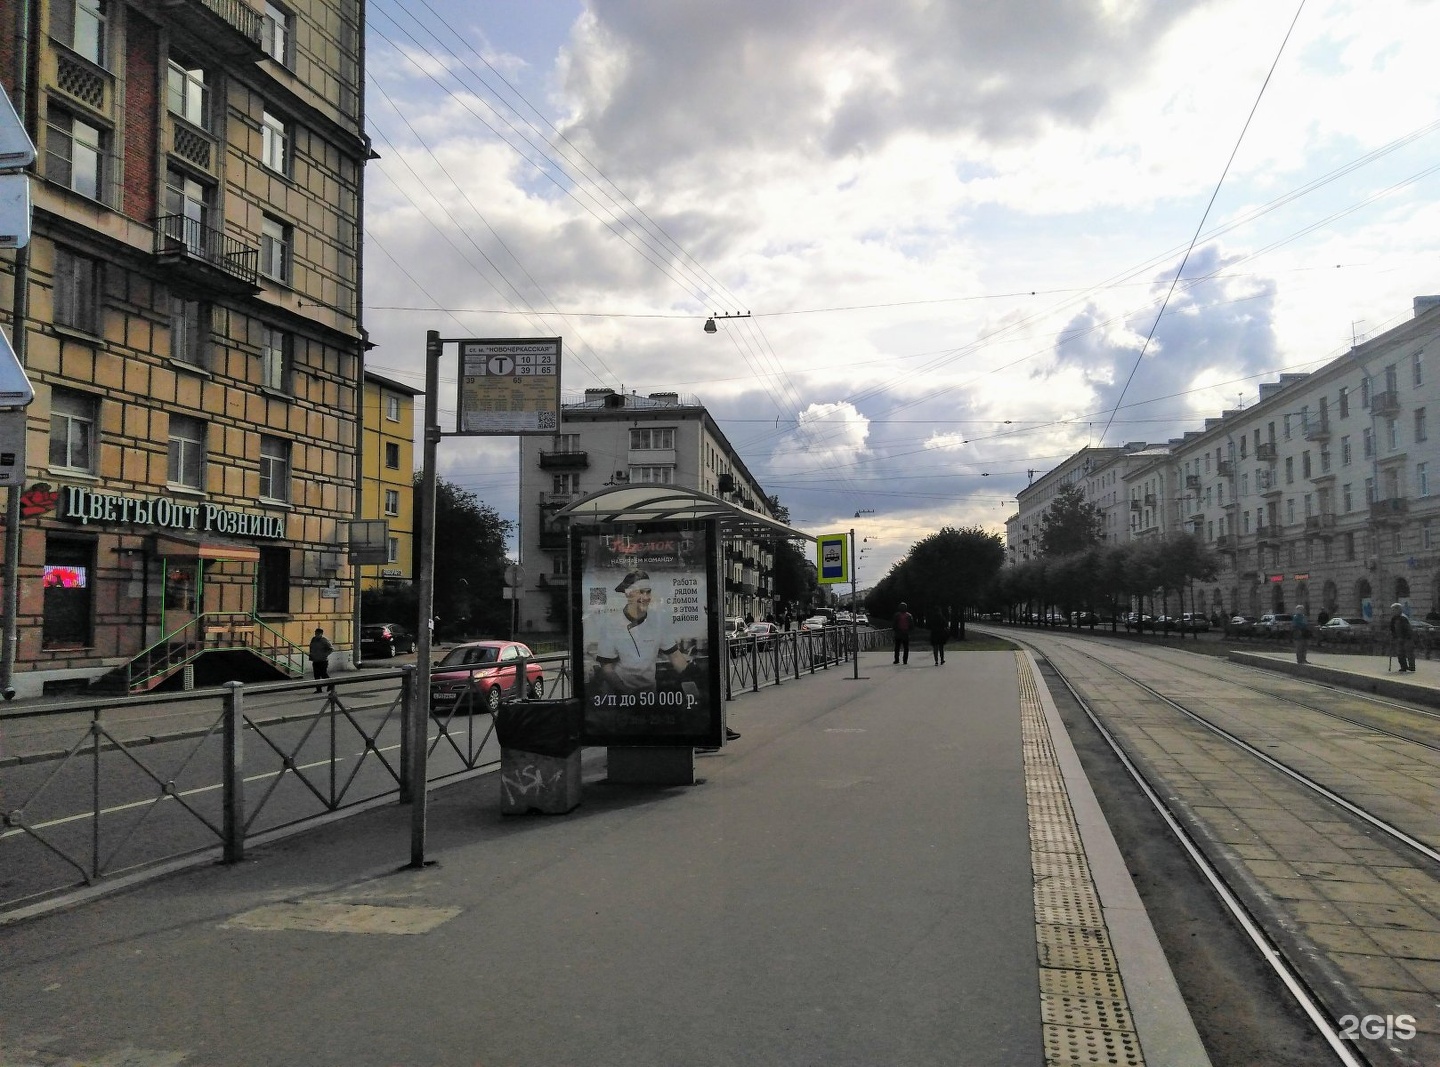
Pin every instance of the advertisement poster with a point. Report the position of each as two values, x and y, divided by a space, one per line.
644 665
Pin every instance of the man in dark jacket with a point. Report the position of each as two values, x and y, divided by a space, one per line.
320 649
1403 634
902 624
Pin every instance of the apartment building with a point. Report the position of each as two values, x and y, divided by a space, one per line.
188 311
388 478
612 438
1099 472
1323 492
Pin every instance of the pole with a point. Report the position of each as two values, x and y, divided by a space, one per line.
854 603
420 680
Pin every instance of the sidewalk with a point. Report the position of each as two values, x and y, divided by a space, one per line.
852 884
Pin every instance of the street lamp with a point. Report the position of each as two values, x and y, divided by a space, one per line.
710 326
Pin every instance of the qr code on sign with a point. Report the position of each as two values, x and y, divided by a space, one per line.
597 596
546 420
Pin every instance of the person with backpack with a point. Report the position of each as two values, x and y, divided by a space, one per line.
901 625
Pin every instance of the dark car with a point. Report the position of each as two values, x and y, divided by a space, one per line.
385 639
1241 625
1344 629
479 675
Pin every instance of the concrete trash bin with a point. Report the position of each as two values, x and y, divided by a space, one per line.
539 756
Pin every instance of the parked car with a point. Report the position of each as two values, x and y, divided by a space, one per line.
1341 628
1241 625
481 674
1138 621
1194 623
1273 625
1166 624
385 639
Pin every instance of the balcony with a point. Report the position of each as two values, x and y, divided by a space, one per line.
1267 535
1225 543
1265 452
1321 524
1192 481
1135 505
1149 500
1317 429
554 540
201 258
1385 404
556 500
564 461
231 27
1392 510
1225 468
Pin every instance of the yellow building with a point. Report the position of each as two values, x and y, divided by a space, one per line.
388 481
188 311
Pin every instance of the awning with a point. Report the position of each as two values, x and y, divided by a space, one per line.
673 503
205 548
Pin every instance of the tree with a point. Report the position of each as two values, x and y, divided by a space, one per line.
469 569
947 571
796 580
1071 524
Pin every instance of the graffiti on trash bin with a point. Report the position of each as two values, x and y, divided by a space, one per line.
528 780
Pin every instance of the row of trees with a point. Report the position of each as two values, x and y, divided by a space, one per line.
950 571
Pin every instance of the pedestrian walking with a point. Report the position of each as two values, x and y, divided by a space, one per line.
1300 627
320 649
939 633
901 626
1402 634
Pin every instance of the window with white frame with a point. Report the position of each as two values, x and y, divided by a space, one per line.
392 407
187 452
1392 435
652 475
189 330
80 25
1346 498
277 33
1417 369
1421 431
392 502
75 153
651 438
392 455
1368 437
187 202
275 142
73 417
275 347
186 92
274 468
1422 479
275 242
392 550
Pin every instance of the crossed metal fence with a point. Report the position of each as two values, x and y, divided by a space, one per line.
92 790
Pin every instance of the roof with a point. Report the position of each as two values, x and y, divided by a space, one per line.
672 503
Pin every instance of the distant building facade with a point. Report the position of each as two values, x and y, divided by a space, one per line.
1323 492
388 478
612 438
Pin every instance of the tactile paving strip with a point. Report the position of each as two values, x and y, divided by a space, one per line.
1084 1013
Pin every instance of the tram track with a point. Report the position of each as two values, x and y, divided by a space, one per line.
1320 980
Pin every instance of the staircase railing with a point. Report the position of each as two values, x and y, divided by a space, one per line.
213 631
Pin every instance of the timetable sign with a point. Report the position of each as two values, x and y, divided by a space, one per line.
509 386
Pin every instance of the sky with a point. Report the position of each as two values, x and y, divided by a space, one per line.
953 224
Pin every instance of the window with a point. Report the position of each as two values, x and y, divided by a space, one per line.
1345 451
1290 510
187 452
1420 429
275 348
77 291
652 475
1417 369
272 581
1308 503
392 550
1289 470
275 143
392 407
1344 402
392 502
80 26
69 566
189 329
565 484
1305 464
1368 437
1365 392
652 438
392 455
72 430
1391 379
1369 491
74 153
1427 538
567 442
1287 427
277 32
1324 461
1392 436
187 202
274 468
1422 479
1346 499
186 93
275 238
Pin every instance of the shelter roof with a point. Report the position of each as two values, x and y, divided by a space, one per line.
673 503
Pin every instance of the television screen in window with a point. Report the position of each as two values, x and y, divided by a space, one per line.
64 577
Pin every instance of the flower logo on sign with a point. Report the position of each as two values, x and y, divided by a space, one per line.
38 501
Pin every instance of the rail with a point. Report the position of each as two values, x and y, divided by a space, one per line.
100 789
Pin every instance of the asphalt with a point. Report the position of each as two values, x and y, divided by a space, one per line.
851 883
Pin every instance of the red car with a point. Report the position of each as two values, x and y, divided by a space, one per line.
479 675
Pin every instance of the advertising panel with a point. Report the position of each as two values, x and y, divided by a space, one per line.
647 646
